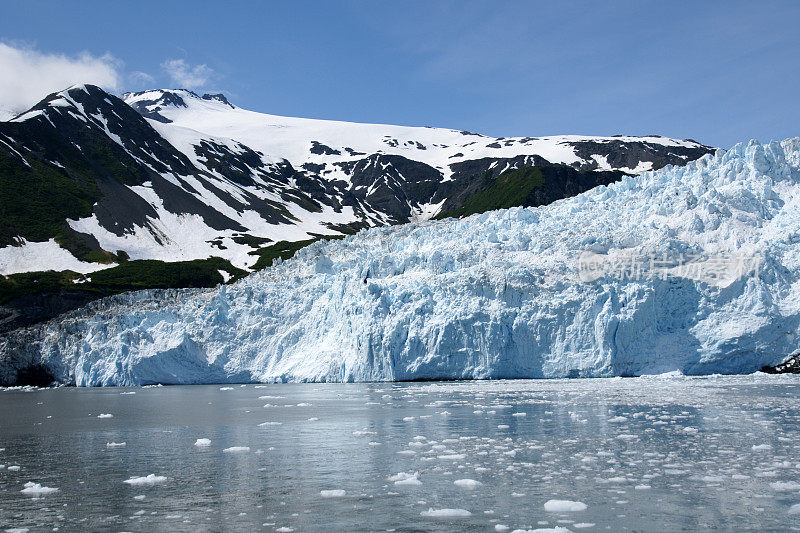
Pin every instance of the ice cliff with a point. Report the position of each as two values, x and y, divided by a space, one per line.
517 293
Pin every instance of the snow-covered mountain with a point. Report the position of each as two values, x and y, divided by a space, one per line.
693 269
90 180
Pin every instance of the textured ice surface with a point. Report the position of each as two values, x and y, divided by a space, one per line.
496 295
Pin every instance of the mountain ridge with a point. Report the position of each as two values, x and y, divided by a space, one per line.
166 182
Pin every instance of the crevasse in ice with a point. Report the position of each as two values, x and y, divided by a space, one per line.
495 295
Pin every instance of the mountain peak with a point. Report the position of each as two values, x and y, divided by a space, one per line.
83 93
150 102
218 97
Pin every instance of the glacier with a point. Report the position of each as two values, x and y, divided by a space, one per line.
495 295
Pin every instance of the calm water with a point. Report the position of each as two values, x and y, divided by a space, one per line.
654 454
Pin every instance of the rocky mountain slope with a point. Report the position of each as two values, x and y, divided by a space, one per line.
90 180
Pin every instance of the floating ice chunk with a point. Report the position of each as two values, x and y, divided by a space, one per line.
519 415
794 509
115 444
335 493
785 486
139 497
557 529
617 420
226 388
446 513
265 424
284 530
105 415
453 457
761 447
237 449
501 528
35 489
642 487
583 525
406 479
467 483
14 468
564 506
150 479
313 419
202 443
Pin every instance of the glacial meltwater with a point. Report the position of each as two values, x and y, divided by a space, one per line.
666 453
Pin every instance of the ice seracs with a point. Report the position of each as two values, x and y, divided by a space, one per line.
715 289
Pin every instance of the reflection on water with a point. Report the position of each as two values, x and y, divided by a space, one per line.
644 454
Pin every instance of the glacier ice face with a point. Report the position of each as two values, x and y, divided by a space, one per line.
496 295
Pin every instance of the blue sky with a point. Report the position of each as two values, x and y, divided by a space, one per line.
718 72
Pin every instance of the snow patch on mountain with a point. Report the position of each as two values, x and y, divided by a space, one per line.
189 118
47 255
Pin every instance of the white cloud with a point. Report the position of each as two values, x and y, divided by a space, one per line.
138 77
185 76
28 75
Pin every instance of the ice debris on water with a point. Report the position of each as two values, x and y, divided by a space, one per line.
564 506
150 479
35 489
237 449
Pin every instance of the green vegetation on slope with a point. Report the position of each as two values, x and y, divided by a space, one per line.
129 276
509 189
37 200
